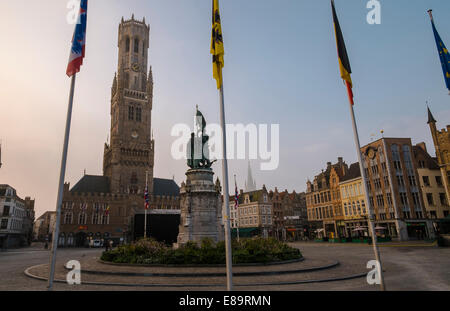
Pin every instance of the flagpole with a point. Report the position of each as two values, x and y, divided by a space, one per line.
61 186
145 205
226 193
366 193
237 212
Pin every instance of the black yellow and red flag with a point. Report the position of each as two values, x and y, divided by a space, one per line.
344 63
217 49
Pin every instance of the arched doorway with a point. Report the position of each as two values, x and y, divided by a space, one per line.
80 239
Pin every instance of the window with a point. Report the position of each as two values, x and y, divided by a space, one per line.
442 199
426 181
133 179
130 113
363 205
412 181
400 181
430 199
416 200
419 214
105 219
439 181
95 218
377 183
421 164
383 167
403 198
136 45
380 200
127 45
407 215
4 224
82 218
68 218
5 211
386 181
445 214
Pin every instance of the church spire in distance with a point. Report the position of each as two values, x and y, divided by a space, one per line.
250 184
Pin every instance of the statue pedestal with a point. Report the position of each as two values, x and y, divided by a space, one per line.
201 208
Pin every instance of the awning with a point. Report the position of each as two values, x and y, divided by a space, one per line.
291 229
244 230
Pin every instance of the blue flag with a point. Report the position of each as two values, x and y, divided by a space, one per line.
443 55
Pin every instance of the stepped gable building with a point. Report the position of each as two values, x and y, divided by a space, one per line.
323 201
253 216
431 182
441 140
103 207
353 202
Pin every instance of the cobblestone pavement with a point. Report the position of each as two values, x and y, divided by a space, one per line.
406 268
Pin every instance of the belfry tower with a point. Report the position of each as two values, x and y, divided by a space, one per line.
130 153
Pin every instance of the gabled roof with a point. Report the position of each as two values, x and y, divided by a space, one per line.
420 154
92 184
165 187
353 172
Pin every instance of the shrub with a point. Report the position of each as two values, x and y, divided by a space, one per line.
251 250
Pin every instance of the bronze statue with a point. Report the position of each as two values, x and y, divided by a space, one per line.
197 148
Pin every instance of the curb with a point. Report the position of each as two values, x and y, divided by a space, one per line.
212 274
355 276
202 266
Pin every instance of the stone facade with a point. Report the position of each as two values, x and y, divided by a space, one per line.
324 203
441 140
395 195
201 208
131 152
104 207
431 183
16 218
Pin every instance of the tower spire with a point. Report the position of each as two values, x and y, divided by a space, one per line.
250 184
430 116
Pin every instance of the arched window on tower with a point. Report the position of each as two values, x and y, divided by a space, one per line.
143 48
136 45
130 113
127 80
127 45
133 179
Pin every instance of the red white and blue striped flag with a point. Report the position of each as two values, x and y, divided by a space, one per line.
146 197
236 195
78 41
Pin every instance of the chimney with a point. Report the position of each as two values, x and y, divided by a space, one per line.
340 160
328 164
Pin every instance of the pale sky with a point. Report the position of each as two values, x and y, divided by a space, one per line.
280 68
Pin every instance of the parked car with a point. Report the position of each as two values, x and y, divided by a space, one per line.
95 243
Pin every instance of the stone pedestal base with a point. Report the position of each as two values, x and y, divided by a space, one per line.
201 208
